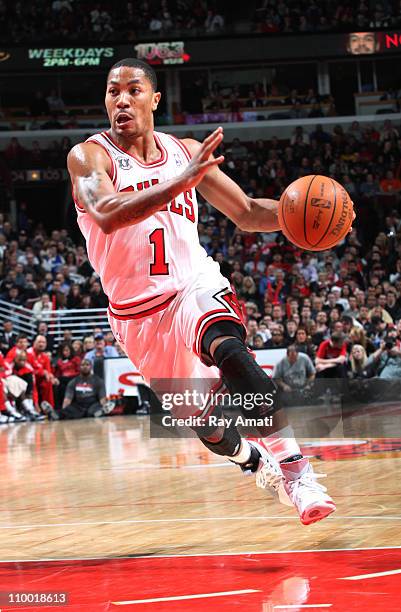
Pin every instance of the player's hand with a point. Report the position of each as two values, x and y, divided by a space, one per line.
201 161
353 219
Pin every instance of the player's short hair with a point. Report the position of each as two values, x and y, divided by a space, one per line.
132 62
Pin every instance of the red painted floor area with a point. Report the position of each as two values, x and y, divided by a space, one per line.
281 581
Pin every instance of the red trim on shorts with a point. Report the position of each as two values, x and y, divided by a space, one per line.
144 313
224 317
133 304
159 144
182 145
113 178
204 316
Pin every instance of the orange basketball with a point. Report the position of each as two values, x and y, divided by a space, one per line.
315 212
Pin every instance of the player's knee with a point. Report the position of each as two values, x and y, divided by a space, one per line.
216 334
244 376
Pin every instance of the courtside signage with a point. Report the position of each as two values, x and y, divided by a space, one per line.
119 373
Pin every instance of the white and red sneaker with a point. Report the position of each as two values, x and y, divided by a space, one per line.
265 467
304 492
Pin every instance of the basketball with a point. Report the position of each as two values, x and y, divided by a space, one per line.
315 212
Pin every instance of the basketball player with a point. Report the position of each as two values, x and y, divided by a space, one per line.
170 309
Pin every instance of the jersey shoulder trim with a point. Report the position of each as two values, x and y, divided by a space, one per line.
182 146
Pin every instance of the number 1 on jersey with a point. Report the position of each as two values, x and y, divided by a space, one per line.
159 265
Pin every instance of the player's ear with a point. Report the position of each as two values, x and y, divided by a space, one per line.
156 99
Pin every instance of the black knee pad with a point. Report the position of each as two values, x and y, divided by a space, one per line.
217 330
243 376
209 428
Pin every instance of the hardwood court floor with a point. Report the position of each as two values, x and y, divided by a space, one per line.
98 509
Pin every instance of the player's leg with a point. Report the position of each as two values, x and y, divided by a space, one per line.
165 334
243 375
225 440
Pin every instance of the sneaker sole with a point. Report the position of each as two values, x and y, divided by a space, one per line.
316 513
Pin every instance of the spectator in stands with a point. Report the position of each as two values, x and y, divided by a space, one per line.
277 340
8 337
369 187
294 372
392 305
357 366
21 344
109 339
85 395
77 348
290 331
66 368
357 335
387 360
43 330
22 370
214 22
331 357
39 359
8 385
304 344
390 184
43 308
100 350
252 329
98 298
258 342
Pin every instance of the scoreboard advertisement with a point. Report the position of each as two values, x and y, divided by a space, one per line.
199 52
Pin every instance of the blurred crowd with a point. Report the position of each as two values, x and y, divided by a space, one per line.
38 382
235 103
341 309
73 21
246 101
18 156
273 16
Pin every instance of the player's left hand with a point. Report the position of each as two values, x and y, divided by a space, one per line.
353 219
202 160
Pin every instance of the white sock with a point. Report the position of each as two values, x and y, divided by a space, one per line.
244 453
28 405
282 444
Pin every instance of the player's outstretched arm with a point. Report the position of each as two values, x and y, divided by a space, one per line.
252 215
90 170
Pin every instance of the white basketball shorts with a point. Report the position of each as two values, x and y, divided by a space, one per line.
162 336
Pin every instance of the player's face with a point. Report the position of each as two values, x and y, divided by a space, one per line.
130 101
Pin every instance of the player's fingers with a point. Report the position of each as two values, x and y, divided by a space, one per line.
212 146
218 130
213 162
208 142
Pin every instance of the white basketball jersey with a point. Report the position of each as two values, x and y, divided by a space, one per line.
150 261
